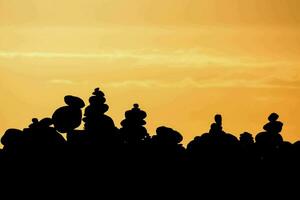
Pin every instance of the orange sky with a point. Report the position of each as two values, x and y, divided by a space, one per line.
182 60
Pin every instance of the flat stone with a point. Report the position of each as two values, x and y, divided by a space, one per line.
74 101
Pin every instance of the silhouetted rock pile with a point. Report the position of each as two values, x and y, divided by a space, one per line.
100 143
133 131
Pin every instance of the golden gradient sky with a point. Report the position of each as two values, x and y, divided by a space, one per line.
182 60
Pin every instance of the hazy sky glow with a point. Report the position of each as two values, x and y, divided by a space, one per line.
182 60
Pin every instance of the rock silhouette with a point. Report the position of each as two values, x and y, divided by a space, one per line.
67 118
270 141
41 133
216 145
12 141
167 144
246 139
272 135
99 127
102 148
133 130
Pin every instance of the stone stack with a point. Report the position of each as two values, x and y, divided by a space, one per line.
133 130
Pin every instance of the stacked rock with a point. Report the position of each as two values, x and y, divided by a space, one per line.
246 139
133 130
12 141
167 137
67 118
98 126
218 124
42 134
271 136
216 134
167 143
214 144
273 126
40 138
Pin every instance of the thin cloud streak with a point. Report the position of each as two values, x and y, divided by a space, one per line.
61 81
178 58
191 83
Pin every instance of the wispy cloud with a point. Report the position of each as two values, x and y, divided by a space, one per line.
61 81
191 83
67 82
140 58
